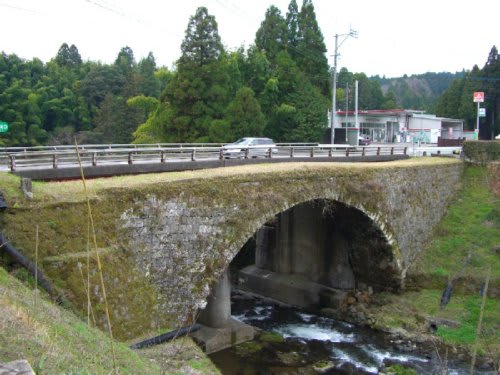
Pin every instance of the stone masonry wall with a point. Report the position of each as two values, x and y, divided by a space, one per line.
167 243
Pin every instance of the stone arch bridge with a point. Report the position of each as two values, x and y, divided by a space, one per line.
167 242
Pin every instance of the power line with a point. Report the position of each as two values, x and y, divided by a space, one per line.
19 8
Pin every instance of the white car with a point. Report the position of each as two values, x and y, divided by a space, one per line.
251 147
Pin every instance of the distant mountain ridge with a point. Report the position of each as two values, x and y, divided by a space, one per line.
418 91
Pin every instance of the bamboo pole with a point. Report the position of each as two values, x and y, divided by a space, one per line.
99 266
480 321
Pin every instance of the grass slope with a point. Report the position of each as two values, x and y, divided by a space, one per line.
55 341
465 245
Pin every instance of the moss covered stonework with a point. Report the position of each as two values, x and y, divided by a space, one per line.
164 244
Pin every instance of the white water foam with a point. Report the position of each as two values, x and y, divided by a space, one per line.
306 317
314 332
343 357
259 313
379 356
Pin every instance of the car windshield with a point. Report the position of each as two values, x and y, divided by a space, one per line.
242 142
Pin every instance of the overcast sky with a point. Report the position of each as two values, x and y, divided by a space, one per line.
395 36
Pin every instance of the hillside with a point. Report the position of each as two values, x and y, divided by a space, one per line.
418 91
55 341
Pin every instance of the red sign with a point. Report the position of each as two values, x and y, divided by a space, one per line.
478 97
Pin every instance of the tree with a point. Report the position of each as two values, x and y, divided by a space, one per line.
68 56
125 60
202 44
292 23
149 83
256 70
311 49
244 114
271 37
198 94
298 113
491 74
115 121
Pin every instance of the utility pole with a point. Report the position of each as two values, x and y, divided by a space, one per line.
336 54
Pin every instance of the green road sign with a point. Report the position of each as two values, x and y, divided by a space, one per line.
3 127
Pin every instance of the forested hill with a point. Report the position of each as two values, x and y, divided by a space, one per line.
279 87
418 91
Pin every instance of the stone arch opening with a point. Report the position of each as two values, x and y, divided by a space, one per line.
313 253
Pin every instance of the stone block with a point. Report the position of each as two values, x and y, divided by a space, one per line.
19 367
212 340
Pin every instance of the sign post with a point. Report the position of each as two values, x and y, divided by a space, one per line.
4 127
478 98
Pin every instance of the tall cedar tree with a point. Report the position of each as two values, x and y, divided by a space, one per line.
311 49
198 94
292 24
271 37
491 72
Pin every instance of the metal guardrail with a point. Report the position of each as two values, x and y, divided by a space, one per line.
91 155
121 146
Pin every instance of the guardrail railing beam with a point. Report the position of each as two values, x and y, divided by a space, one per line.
64 157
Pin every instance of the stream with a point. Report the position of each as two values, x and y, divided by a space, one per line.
295 342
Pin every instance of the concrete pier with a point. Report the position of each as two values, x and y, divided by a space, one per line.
218 330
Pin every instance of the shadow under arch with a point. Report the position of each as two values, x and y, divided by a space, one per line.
328 242
310 255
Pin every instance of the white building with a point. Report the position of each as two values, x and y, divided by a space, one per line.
396 125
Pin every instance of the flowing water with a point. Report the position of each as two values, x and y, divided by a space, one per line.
315 344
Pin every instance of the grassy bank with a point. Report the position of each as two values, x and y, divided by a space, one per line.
464 247
55 341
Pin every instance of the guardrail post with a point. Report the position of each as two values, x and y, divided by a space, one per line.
12 163
246 153
378 151
363 152
94 159
292 152
330 152
130 161
193 155
162 156
221 154
270 151
392 150
54 161
347 151
405 150
312 152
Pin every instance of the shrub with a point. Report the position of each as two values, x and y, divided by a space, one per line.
482 151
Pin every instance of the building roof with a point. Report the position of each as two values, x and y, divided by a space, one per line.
396 112
382 112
